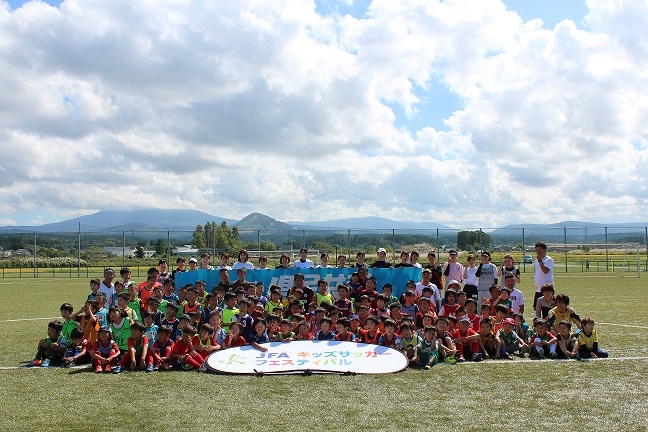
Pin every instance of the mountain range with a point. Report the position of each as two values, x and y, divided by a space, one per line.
108 221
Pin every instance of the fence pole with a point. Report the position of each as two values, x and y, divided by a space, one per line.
607 263
35 256
123 249
565 235
523 252
79 251
437 244
258 241
349 245
169 248
394 245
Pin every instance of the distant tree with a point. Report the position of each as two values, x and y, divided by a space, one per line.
267 246
198 240
139 252
473 240
160 247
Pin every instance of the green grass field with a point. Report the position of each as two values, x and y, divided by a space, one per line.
607 394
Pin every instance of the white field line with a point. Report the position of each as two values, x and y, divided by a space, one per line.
497 362
29 319
622 325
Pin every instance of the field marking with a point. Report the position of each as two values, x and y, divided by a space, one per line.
622 325
490 361
29 319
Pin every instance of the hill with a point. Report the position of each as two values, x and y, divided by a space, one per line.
258 221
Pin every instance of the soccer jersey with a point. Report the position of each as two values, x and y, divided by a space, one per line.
139 346
509 339
366 338
254 337
136 306
411 342
68 326
588 341
394 342
555 316
151 334
427 352
344 306
121 333
325 336
324 298
349 337
90 329
228 317
104 350
487 340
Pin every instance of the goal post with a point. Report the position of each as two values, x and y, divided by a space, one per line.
631 252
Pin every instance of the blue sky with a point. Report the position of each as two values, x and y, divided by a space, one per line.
460 114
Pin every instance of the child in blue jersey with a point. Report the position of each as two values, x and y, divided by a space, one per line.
244 318
51 348
162 348
151 329
325 332
153 305
258 335
94 289
543 343
215 321
76 350
102 312
168 294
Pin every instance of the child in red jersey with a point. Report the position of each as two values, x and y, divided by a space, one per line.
389 338
370 335
204 343
343 334
183 354
234 338
467 341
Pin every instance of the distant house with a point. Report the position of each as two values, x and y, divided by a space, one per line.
21 252
117 251
5 253
187 250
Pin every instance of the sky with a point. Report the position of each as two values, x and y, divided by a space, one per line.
469 113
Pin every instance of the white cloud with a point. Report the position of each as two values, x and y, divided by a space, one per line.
268 106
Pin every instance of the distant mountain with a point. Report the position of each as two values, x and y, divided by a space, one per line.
369 223
126 220
258 221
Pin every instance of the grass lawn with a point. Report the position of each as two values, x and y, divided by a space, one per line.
494 395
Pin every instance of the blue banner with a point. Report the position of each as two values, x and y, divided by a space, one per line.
398 277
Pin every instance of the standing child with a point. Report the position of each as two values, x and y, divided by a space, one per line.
94 288
588 346
151 329
105 351
545 303
244 318
134 302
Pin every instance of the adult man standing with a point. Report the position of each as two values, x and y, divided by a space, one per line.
303 261
542 269
436 269
106 286
307 293
381 262
452 270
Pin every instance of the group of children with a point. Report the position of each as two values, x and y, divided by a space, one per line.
150 326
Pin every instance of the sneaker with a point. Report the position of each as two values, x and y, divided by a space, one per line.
45 363
461 359
477 357
98 369
35 362
506 356
541 354
202 368
108 368
117 369
187 366
553 355
166 366
149 368
72 364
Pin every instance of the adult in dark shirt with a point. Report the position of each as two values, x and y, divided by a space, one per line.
381 262
180 267
360 260
224 280
307 293
284 262
404 256
437 270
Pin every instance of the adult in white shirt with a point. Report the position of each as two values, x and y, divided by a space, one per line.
542 269
224 262
426 282
303 261
324 261
243 261
106 286
452 270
